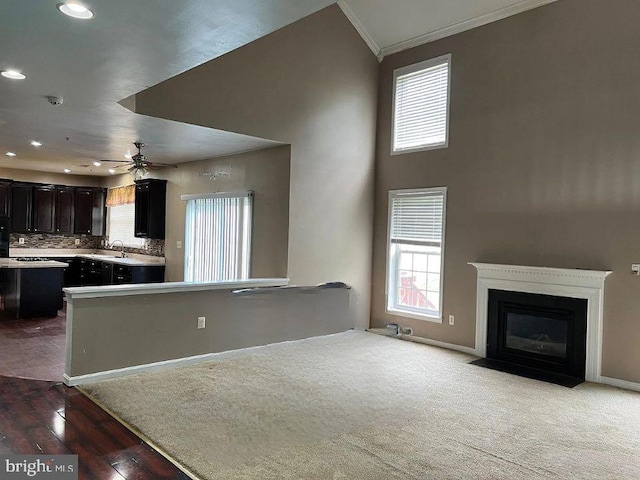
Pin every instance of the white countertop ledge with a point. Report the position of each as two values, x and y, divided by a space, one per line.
168 287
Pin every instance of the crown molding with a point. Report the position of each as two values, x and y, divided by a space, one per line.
459 27
346 9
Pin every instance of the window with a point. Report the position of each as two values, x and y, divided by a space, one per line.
421 106
217 237
416 252
120 226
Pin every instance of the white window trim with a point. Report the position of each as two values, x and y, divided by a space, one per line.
407 313
414 68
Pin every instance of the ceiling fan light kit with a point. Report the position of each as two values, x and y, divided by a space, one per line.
139 166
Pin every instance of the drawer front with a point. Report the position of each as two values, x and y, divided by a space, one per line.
122 270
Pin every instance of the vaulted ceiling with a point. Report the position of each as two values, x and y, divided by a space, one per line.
131 45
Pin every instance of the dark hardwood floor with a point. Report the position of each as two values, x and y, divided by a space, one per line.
47 417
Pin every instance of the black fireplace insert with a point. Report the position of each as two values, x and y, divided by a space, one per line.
538 334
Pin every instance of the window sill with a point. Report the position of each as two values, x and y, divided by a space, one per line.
423 148
415 316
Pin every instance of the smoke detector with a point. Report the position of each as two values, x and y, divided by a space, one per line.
55 101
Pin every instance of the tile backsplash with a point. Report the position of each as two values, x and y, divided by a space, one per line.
49 240
154 247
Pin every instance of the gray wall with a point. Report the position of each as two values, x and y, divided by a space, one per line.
312 84
117 332
265 172
543 164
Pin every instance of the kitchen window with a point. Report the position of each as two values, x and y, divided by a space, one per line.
421 106
416 253
218 236
121 217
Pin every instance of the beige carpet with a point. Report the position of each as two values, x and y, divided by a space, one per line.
361 406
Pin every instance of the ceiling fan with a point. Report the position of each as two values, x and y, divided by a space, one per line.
139 165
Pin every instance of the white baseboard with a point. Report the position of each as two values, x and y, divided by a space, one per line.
425 341
614 382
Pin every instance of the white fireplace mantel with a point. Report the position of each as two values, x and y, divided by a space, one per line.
561 282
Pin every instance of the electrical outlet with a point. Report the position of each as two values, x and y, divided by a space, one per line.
21 241
452 319
77 242
202 322
179 244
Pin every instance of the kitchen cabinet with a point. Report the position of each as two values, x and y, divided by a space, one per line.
64 209
5 198
96 272
89 211
44 208
32 292
90 273
21 207
150 208
71 276
137 274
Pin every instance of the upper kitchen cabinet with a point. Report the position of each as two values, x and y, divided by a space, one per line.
22 207
5 198
65 208
89 211
150 208
44 209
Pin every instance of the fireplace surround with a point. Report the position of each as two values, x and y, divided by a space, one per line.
587 285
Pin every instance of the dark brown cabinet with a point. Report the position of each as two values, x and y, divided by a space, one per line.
44 208
64 210
89 211
150 208
22 207
5 198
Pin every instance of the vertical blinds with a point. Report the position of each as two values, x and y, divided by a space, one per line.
121 219
218 238
421 106
417 217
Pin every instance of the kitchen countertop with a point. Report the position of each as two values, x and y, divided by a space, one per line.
13 263
101 255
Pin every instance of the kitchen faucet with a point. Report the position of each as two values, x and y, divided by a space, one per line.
122 254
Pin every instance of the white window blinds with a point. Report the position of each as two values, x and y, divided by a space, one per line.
421 105
417 217
217 237
120 226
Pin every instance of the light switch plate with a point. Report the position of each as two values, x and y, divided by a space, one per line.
179 244
635 268
202 322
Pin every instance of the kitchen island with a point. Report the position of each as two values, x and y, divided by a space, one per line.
31 289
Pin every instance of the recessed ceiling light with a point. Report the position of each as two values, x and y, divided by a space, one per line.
66 170
13 74
112 171
10 154
96 164
36 143
76 10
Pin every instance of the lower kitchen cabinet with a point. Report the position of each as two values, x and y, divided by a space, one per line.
83 272
137 274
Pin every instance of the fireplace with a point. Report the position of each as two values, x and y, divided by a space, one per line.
538 335
568 347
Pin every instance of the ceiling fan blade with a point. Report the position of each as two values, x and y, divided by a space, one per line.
115 161
163 165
